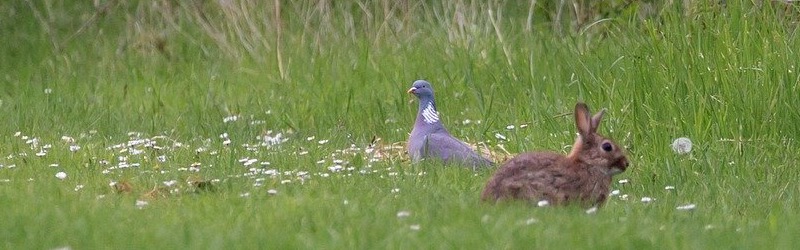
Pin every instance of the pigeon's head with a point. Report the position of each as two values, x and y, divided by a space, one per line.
421 89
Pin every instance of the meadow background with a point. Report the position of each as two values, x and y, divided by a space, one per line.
280 124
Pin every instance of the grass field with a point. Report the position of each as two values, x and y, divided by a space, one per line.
242 124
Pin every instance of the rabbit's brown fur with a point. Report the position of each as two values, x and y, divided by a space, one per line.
582 177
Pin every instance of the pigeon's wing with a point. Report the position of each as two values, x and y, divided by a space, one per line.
450 149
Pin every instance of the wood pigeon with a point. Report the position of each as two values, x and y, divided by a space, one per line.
429 139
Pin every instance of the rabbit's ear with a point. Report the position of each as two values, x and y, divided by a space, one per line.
596 120
582 120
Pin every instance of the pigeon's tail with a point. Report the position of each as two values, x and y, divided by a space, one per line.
477 162
484 163
480 160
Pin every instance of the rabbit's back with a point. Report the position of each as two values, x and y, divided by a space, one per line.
547 176
514 178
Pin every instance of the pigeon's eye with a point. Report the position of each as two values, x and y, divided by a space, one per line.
607 146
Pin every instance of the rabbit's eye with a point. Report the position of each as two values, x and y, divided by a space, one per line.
607 146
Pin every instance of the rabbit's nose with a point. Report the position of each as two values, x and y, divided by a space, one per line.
623 163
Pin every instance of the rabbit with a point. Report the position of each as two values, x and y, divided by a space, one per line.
582 177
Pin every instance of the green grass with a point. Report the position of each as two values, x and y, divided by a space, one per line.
166 75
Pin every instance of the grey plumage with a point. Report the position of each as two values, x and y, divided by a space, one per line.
429 139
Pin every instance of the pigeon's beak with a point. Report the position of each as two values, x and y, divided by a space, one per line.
411 90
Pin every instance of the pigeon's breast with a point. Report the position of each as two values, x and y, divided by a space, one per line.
414 145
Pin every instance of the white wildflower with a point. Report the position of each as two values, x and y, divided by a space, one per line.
228 119
686 207
335 168
134 151
403 214
250 162
141 204
543 203
270 140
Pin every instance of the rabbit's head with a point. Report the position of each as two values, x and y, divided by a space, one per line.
592 148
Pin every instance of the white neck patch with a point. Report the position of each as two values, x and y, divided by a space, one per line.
429 114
